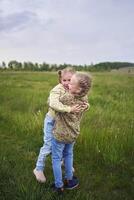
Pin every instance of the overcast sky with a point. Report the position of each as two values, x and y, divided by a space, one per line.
67 31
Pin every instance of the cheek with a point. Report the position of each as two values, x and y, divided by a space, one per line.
62 82
73 88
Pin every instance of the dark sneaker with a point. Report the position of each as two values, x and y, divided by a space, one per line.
71 184
58 190
66 181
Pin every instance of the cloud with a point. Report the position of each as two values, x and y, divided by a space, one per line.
16 21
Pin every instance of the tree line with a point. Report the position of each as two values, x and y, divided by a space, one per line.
30 66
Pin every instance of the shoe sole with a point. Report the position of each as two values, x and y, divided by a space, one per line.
72 187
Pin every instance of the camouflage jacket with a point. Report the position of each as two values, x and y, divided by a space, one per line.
67 125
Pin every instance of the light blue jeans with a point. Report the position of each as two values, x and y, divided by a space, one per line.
60 150
46 149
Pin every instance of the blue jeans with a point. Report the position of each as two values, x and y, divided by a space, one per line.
60 150
46 149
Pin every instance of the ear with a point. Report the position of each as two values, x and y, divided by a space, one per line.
59 72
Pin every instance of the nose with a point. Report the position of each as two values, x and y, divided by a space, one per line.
69 86
67 83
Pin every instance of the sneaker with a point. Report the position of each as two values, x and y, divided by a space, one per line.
39 176
73 170
59 190
66 181
71 184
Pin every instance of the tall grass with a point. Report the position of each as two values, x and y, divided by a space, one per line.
108 126
103 155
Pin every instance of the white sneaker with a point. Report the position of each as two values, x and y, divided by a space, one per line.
73 170
62 163
39 176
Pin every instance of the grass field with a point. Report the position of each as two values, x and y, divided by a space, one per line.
104 152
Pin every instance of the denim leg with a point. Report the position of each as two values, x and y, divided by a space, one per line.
68 160
46 149
57 154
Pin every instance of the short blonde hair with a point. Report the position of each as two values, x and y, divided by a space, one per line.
84 82
64 71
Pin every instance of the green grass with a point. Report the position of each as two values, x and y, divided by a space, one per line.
103 155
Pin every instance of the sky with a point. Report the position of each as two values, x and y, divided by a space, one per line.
67 31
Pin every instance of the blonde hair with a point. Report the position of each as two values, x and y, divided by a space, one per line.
64 71
84 82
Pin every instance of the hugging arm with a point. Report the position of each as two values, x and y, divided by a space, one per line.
85 105
54 102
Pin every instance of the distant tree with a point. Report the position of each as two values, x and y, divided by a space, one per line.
12 64
36 67
3 65
53 67
19 66
29 66
44 67
25 66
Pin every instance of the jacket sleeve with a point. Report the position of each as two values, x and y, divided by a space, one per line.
85 100
54 101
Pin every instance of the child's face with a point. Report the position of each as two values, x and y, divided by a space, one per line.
74 86
65 79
